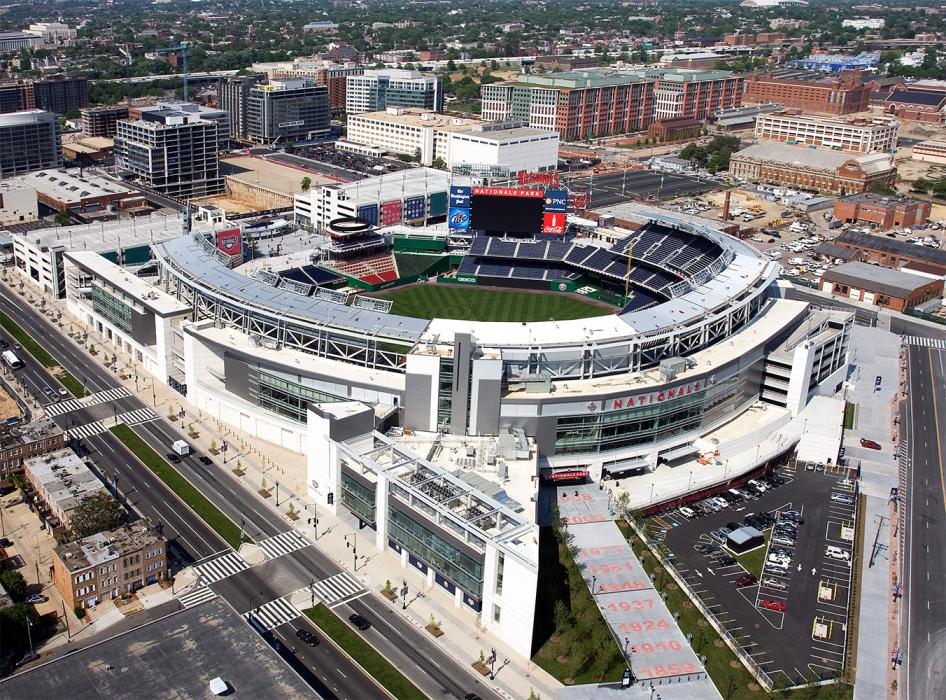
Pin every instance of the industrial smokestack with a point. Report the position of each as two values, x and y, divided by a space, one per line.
726 206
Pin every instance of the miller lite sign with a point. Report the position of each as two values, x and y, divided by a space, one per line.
229 241
459 218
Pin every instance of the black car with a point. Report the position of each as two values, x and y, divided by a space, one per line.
5 542
726 560
307 637
173 458
4 344
732 526
204 459
359 621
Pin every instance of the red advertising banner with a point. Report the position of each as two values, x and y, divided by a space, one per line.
508 192
550 178
579 200
553 223
229 241
391 212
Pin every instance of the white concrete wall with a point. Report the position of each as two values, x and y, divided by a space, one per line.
516 603
800 382
324 466
532 156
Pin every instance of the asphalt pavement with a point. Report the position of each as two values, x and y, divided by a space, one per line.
613 188
419 658
925 554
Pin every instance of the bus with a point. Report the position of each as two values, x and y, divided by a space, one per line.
11 360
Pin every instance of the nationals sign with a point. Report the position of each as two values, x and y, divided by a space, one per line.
650 398
508 192
229 241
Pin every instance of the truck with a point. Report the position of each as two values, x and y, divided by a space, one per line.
181 448
11 360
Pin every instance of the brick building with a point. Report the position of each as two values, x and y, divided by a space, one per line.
809 91
882 211
68 191
679 129
930 151
912 104
18 443
880 286
585 104
812 169
109 564
892 252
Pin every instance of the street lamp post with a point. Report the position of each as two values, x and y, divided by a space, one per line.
353 545
312 592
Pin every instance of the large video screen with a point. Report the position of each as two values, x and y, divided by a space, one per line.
508 214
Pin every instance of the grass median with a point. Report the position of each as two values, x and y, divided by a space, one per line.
366 656
42 356
197 502
753 561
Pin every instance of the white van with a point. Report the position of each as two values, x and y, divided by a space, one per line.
837 553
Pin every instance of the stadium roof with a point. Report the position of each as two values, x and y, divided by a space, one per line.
189 255
875 278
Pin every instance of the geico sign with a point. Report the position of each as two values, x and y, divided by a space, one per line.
653 397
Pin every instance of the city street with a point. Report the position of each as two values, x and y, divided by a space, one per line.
925 555
436 672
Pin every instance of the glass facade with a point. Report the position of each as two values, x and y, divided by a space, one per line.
646 425
437 551
358 498
289 399
112 309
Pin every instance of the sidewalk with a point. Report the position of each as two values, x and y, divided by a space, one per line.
284 473
877 354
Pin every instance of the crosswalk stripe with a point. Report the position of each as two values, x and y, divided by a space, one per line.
139 415
57 409
136 417
88 430
923 341
337 587
273 614
220 568
197 596
283 543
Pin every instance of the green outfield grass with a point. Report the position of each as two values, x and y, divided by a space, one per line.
478 304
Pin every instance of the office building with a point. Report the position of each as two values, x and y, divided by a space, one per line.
18 203
29 140
809 91
406 131
930 151
376 90
332 75
16 96
207 114
109 564
518 148
233 96
102 121
53 32
881 286
875 135
80 193
586 104
882 211
14 42
172 152
288 110
811 168
61 94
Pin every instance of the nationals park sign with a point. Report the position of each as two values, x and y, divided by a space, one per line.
647 399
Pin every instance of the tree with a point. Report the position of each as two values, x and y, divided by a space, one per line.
290 147
305 183
439 163
451 66
63 219
417 154
94 514
13 621
14 583
881 187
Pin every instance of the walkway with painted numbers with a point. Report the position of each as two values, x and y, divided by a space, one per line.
220 568
657 650
283 543
57 409
272 614
923 341
339 589
199 595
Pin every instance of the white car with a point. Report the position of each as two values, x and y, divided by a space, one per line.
779 559
837 553
842 498
758 484
687 512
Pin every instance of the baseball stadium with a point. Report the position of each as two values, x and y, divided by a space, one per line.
436 375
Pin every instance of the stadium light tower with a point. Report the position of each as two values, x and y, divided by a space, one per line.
627 275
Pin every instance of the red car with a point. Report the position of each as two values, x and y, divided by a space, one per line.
745 580
870 444
776 605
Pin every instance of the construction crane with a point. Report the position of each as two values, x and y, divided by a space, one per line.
183 49
125 51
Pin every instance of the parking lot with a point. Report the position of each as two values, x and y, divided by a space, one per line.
792 619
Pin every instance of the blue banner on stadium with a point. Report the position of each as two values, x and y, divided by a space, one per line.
459 197
459 218
414 208
556 201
